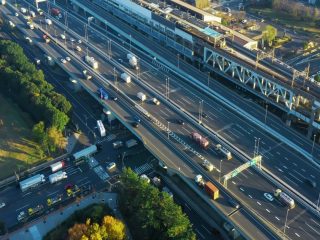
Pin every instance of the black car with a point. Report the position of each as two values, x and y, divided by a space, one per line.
233 203
135 124
204 115
137 119
180 121
113 98
311 182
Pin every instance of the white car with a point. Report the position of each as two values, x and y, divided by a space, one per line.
29 39
72 39
111 165
68 59
268 196
63 60
2 205
63 36
16 14
156 101
78 48
79 41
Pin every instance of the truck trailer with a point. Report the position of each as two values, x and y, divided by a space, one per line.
224 151
57 166
32 182
125 77
211 190
92 62
131 143
133 61
86 152
103 94
203 142
58 176
284 198
141 96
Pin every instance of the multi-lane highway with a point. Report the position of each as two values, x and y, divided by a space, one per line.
284 163
110 70
169 113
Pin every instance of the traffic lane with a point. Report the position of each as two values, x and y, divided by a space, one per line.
262 115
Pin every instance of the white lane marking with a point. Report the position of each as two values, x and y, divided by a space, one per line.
284 166
250 196
187 206
233 182
164 113
185 100
295 164
295 177
278 153
259 203
200 234
52 193
279 169
290 180
299 174
315 222
267 210
310 236
277 218
303 170
242 189
286 158
313 228
205 229
26 194
312 176
22 207
297 234
263 142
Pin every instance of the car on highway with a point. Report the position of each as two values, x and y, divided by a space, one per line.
162 165
135 124
204 115
68 186
63 36
72 39
68 59
310 182
233 203
78 49
111 166
268 196
79 41
16 14
37 61
63 60
137 119
156 101
29 40
2 205
113 98
180 121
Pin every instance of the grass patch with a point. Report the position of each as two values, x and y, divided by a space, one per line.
95 212
286 20
17 148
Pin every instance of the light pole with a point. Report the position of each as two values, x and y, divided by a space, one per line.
318 203
265 117
220 170
130 42
285 223
178 55
65 19
314 139
256 146
168 130
208 78
167 87
200 111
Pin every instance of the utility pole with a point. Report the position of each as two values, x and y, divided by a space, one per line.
265 117
200 111
167 87
256 146
285 223
168 130
314 139
220 170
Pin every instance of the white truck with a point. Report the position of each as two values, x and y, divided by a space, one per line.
23 10
48 21
32 14
3 2
131 143
57 166
92 62
125 77
101 128
133 61
32 182
31 26
207 165
199 180
224 151
86 75
58 176
141 96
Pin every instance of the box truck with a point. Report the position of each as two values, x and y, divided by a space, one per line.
58 176
133 61
211 190
203 142
125 77
57 166
141 96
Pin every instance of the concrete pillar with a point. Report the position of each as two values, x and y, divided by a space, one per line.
288 120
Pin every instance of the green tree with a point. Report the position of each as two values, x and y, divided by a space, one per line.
55 139
38 131
317 78
269 34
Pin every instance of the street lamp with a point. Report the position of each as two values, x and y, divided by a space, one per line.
200 111
220 170
109 118
208 78
130 42
89 20
314 139
285 223
168 130
265 117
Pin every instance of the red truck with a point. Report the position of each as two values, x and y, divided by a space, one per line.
46 38
211 190
203 142
55 12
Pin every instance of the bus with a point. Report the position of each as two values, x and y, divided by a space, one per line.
101 128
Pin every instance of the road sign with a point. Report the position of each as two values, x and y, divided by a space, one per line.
234 173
